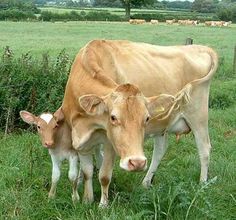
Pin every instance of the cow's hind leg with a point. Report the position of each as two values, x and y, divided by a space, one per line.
160 147
204 146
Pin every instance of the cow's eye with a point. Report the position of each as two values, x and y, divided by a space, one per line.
56 126
113 118
147 119
38 127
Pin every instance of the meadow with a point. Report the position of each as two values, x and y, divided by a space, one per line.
25 167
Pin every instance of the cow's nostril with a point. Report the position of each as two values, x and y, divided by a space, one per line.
136 164
132 164
48 143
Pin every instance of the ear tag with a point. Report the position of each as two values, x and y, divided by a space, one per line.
159 109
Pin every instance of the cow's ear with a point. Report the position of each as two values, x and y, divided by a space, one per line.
59 115
28 117
92 104
158 106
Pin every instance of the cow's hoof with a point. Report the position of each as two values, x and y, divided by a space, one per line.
51 195
75 197
103 205
147 183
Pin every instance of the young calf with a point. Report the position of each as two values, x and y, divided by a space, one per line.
55 135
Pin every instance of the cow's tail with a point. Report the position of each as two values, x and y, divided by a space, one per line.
214 66
180 99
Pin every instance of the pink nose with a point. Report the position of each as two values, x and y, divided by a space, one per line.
136 164
48 143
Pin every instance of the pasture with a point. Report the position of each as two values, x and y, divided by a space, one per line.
25 167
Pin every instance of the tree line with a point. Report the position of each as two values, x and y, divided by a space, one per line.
26 9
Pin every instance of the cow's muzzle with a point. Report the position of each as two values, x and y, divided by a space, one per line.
134 163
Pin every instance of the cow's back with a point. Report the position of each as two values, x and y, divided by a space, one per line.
154 69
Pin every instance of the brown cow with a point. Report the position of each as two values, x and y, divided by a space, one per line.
97 99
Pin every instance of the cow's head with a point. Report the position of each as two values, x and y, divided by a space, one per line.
128 112
47 125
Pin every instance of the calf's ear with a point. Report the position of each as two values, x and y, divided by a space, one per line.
92 104
59 115
28 117
159 106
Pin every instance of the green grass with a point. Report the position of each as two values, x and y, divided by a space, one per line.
53 37
25 167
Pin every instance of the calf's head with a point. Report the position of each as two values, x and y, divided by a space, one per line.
47 125
128 112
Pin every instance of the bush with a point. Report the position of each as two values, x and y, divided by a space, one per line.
227 13
15 14
30 84
75 16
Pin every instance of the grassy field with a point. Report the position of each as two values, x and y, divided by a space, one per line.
25 167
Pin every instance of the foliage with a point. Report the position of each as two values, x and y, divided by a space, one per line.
17 10
227 12
75 16
30 84
204 6
16 15
21 5
134 3
173 5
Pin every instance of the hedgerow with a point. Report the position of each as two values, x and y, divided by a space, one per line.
27 83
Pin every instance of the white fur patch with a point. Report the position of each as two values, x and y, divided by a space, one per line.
46 117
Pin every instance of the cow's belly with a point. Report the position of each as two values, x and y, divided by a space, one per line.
179 127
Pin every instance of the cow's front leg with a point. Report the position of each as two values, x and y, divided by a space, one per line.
56 164
160 146
105 173
86 164
73 176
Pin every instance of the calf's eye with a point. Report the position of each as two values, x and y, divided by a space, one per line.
38 127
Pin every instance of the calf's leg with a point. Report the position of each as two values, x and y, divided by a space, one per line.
73 176
86 163
56 164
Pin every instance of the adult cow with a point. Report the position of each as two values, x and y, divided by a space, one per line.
98 98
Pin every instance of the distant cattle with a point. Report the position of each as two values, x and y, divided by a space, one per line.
217 23
154 21
137 21
227 23
170 21
187 22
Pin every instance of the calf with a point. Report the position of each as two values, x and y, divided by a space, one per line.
55 135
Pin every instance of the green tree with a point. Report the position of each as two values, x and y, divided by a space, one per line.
204 5
135 3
